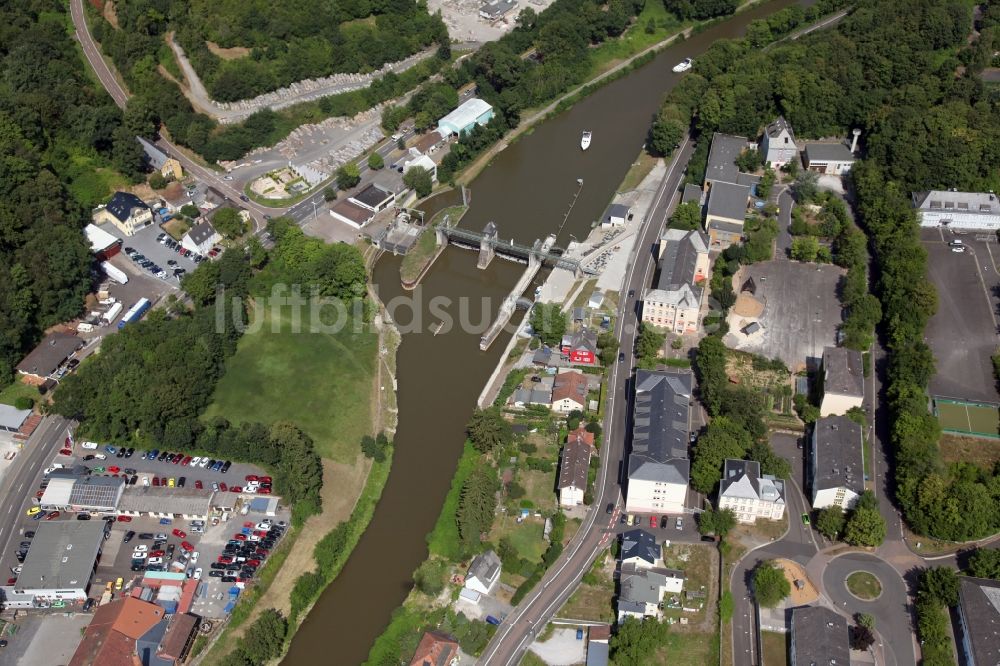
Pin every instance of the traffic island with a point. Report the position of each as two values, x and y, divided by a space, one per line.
864 585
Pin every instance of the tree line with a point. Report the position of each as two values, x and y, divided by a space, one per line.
59 135
928 123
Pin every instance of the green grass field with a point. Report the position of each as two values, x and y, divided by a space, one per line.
18 390
322 382
970 418
775 647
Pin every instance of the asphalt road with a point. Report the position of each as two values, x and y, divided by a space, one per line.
559 583
25 475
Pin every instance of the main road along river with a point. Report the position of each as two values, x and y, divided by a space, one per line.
526 191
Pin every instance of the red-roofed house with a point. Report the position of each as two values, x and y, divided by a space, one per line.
436 649
580 347
575 466
110 638
569 392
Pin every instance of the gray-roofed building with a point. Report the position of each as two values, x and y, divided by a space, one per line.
94 494
523 397
722 156
351 213
45 359
59 564
833 158
597 653
777 145
574 467
641 590
160 502
979 620
201 238
819 636
958 210
126 211
639 548
546 356
147 644
684 265
658 468
616 215
837 472
373 198
484 572
497 9
11 418
843 381
727 205
157 160
750 494
693 194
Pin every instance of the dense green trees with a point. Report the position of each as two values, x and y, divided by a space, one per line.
715 522
723 439
348 176
549 323
263 641
227 221
937 588
476 505
830 521
686 216
636 641
769 584
419 180
489 430
985 563
648 345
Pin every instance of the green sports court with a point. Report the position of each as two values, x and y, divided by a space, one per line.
980 419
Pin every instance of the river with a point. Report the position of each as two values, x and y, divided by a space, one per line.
526 190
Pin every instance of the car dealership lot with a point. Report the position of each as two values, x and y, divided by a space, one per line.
144 241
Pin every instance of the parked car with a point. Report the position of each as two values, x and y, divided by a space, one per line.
178 533
129 535
199 485
52 516
492 620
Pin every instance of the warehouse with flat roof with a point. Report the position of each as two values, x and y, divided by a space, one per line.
59 565
94 494
465 117
161 502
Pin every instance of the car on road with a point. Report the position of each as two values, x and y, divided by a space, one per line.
244 197
83 516
197 574
679 523
32 511
621 356
199 485
492 620
958 249
805 519
155 560
65 452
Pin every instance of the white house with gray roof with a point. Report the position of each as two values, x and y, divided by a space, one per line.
658 465
832 158
201 238
640 549
484 573
777 145
837 469
676 301
642 590
749 494
843 381
958 210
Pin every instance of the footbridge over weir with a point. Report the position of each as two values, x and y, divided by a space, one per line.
536 256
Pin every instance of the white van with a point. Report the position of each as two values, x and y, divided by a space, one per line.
90 446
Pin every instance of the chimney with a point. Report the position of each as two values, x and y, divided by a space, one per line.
854 141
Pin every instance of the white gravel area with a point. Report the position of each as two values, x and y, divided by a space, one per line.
562 649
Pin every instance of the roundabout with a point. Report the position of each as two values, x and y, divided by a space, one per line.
864 585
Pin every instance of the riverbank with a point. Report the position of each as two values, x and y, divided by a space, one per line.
418 261
351 491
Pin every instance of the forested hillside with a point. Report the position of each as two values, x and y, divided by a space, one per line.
281 42
906 74
58 139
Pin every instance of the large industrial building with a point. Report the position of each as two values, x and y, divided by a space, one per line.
93 494
465 117
59 565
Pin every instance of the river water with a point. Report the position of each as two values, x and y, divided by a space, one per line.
526 190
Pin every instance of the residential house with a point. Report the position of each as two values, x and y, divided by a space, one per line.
102 244
497 9
979 620
179 637
832 158
428 143
436 648
44 360
658 465
574 467
59 564
819 636
373 197
725 213
642 590
569 392
580 347
201 238
130 631
640 549
126 211
157 160
750 494
351 213
843 381
524 397
693 194
484 572
958 210
684 265
424 162
616 215
175 196
721 166
777 145
837 472
469 114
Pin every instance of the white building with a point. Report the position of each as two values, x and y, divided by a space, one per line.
574 467
569 392
160 502
832 158
640 549
59 564
843 381
837 472
201 238
749 494
777 146
958 210
484 572
616 216
422 161
94 494
469 114
643 590
11 418
126 211
658 465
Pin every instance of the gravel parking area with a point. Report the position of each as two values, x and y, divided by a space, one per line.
144 241
963 332
45 638
801 312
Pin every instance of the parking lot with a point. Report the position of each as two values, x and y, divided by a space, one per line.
963 332
144 241
801 312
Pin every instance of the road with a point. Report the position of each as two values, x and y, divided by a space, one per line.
559 583
25 474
